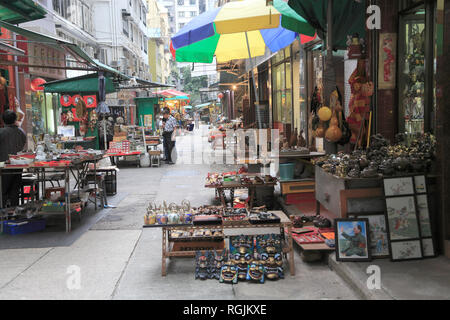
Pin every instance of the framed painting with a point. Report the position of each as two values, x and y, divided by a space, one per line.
424 215
398 186
428 247
378 234
352 239
406 250
402 218
420 185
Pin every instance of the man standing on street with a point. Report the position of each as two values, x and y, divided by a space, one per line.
197 119
169 126
12 141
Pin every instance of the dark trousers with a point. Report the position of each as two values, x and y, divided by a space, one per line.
168 145
11 184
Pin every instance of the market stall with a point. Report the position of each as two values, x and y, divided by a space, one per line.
200 232
231 181
78 102
42 201
384 197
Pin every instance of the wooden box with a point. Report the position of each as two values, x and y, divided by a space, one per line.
290 187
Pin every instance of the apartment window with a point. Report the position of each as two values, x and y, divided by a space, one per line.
192 2
180 2
75 11
180 25
126 27
181 14
193 13
145 45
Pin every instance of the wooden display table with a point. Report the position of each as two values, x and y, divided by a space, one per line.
220 190
288 250
114 156
77 168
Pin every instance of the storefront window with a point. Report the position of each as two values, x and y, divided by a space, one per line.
412 74
42 111
282 87
303 92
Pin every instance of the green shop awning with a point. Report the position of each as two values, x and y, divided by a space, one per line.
83 84
349 17
19 11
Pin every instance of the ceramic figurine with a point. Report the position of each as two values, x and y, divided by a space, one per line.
301 142
293 139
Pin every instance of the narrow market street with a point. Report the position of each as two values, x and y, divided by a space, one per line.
118 259
225 158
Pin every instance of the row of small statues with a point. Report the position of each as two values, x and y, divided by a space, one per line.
296 140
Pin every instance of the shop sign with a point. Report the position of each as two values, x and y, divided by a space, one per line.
46 56
388 61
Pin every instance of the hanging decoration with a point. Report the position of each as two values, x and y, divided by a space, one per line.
36 84
91 101
75 99
66 100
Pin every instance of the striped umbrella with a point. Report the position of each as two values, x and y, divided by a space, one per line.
238 30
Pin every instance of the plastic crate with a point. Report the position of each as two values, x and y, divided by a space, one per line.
13 227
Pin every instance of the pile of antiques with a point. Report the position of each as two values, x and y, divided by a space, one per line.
382 159
249 258
173 214
240 177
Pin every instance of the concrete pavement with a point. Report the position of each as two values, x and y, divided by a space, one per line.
117 259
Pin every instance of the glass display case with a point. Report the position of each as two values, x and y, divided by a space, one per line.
412 73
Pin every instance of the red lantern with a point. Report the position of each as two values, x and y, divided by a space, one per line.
220 95
75 99
66 100
36 84
91 101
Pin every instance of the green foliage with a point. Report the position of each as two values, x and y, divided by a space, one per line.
192 85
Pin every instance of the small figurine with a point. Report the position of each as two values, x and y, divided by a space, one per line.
301 142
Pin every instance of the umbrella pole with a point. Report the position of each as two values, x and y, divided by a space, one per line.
253 77
104 132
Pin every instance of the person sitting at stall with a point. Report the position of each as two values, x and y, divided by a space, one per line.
169 126
12 141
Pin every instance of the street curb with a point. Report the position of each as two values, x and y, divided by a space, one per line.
356 278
